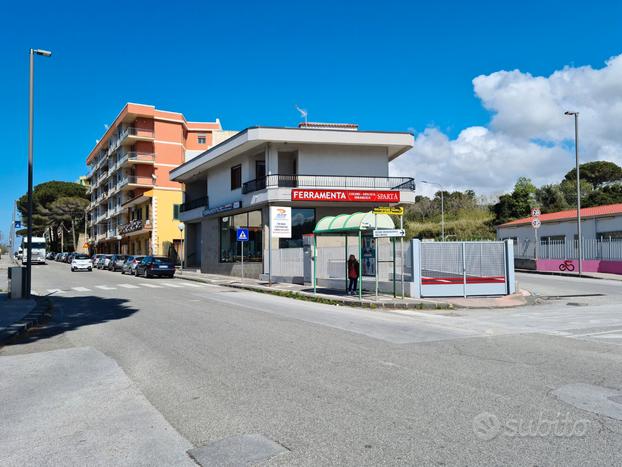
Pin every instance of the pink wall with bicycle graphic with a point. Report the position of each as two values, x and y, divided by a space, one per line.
589 265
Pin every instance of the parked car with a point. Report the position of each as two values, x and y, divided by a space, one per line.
151 266
58 256
51 255
63 257
116 262
102 262
70 257
81 262
95 258
129 266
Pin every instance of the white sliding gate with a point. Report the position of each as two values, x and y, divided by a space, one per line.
461 269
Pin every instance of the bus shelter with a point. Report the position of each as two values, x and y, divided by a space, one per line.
360 225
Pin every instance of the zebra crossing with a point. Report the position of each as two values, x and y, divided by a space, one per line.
138 285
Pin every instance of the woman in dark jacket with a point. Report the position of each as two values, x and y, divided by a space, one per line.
353 274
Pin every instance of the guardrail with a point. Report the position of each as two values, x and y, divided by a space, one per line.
329 181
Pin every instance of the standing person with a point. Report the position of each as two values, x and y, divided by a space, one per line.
353 274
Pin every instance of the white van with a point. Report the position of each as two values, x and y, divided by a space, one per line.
38 250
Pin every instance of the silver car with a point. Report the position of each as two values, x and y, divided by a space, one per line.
129 267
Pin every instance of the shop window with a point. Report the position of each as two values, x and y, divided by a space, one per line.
230 248
303 222
236 177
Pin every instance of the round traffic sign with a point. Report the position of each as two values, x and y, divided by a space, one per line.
536 223
535 212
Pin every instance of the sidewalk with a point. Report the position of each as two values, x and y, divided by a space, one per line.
14 314
76 406
587 275
337 297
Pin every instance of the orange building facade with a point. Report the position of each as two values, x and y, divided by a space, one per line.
134 205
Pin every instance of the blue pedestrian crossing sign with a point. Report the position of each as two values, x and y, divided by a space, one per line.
242 235
18 224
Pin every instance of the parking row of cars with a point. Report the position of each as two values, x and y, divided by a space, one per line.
144 266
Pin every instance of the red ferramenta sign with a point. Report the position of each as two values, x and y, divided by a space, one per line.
357 196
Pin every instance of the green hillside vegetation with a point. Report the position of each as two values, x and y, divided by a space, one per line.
466 217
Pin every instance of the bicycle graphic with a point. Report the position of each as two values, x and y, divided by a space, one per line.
566 266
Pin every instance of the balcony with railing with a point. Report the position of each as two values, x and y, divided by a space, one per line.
135 157
135 180
136 134
135 225
194 203
329 182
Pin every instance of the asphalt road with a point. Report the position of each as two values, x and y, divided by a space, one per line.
345 386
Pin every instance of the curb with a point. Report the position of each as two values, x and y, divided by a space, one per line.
41 312
327 300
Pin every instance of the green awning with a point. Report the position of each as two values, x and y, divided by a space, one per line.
353 223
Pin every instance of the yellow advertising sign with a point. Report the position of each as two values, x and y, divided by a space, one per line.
393 211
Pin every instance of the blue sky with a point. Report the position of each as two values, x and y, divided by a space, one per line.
385 65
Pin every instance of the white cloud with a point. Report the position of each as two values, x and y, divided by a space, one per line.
528 134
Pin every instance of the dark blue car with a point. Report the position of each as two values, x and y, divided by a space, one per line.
155 266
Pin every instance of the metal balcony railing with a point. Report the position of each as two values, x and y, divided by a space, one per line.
194 203
329 181
139 180
134 225
140 156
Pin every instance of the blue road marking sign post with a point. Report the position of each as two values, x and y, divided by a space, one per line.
242 237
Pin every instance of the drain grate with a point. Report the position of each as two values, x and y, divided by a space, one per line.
237 450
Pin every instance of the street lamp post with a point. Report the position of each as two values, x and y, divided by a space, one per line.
181 228
442 206
576 153
31 116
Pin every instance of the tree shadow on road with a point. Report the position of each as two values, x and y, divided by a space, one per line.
69 313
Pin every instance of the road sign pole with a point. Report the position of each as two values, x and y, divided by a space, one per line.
242 258
377 251
402 253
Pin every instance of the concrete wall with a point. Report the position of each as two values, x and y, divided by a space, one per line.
165 228
342 160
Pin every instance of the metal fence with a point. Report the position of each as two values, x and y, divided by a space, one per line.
463 268
593 248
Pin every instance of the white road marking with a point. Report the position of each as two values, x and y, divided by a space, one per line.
105 287
153 286
128 286
81 289
188 284
168 284
55 291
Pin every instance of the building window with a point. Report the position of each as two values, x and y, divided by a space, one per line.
201 139
230 248
236 177
176 212
303 222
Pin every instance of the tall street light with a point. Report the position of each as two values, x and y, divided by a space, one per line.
576 152
442 206
31 116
